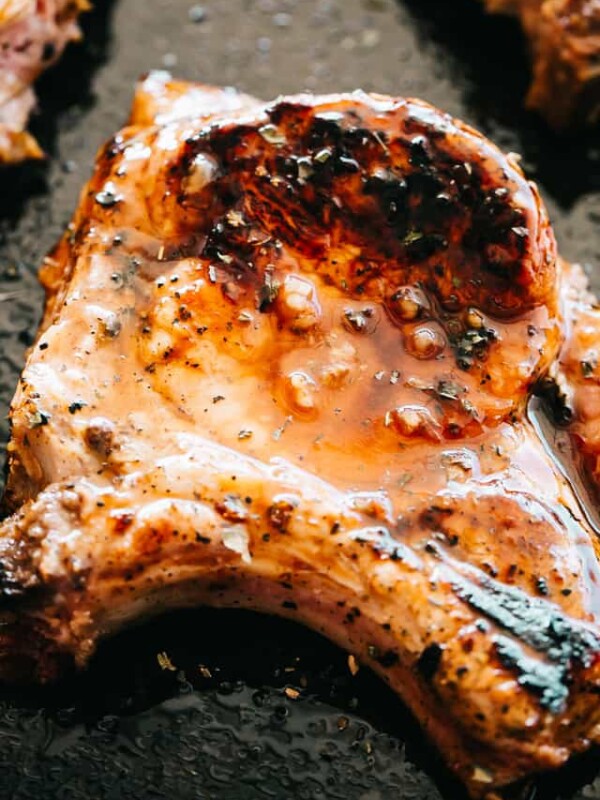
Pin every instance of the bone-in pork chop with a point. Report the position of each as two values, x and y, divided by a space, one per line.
285 364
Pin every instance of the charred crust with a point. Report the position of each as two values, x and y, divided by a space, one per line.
381 542
386 659
562 642
403 193
549 682
536 622
19 578
122 522
28 653
280 513
100 437
555 399
429 661
433 517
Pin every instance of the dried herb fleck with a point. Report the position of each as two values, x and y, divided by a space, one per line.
588 367
37 419
449 390
358 319
268 292
472 345
272 135
164 662
108 197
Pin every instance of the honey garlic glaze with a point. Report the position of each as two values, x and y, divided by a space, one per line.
325 280
285 363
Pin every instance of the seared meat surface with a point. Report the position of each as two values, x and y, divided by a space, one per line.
564 38
33 34
285 364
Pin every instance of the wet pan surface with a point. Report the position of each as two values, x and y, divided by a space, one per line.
230 705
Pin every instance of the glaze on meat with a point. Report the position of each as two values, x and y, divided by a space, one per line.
285 364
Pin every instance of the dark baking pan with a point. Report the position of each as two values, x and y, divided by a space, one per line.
198 705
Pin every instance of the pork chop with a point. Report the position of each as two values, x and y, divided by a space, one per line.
33 34
285 364
564 39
